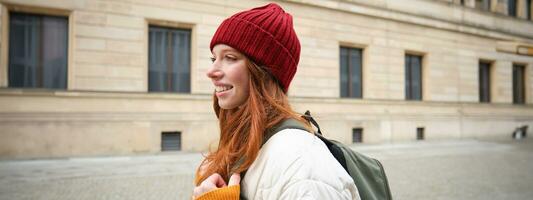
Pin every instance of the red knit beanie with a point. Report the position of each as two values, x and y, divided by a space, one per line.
266 35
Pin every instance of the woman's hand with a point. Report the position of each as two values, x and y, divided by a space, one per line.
215 181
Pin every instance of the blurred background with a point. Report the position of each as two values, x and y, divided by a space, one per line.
108 99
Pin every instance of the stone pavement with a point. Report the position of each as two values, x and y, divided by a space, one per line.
467 169
457 169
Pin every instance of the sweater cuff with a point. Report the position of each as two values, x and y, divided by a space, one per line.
226 193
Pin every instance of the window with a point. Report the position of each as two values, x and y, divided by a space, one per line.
413 77
528 9
171 141
169 60
37 51
511 8
484 81
483 5
351 72
420 133
519 92
357 135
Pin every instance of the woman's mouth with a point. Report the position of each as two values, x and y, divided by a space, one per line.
219 89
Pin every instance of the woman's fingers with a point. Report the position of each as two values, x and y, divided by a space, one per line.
212 182
235 179
216 180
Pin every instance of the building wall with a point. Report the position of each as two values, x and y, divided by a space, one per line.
106 109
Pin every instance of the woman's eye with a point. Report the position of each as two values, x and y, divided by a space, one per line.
212 59
231 58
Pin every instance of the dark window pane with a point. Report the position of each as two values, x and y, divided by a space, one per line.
413 77
181 66
408 77
420 133
55 56
528 9
157 59
486 5
355 71
351 72
344 72
484 82
38 51
171 141
416 77
518 84
483 5
511 8
357 135
169 60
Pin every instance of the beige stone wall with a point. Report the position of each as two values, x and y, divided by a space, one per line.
49 124
107 109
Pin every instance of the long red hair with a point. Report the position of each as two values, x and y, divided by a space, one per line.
242 128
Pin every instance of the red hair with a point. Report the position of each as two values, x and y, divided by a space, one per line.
242 128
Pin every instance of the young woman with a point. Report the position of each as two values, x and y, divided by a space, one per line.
255 55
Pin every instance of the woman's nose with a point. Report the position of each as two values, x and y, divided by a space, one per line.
214 72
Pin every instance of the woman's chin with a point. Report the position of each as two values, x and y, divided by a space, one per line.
226 106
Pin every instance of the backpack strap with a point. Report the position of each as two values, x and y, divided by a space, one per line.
285 124
292 124
295 124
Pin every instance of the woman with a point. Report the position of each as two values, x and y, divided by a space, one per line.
255 55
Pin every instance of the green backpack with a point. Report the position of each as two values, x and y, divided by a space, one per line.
367 173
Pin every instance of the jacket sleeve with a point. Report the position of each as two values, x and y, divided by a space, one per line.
312 189
226 193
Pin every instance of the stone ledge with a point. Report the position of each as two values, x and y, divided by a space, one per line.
452 17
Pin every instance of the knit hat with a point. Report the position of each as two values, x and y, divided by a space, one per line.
266 35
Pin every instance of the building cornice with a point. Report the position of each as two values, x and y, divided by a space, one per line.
451 17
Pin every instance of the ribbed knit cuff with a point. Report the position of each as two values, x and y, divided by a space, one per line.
226 193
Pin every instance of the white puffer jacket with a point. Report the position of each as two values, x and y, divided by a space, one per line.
295 164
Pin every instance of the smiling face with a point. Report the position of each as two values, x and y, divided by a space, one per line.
230 76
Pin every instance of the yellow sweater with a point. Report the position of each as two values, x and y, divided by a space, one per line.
226 193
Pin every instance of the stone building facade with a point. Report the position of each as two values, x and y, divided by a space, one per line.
118 77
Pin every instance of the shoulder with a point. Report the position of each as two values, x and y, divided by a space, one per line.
292 140
284 152
291 157
294 148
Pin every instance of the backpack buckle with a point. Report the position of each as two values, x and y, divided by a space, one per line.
307 116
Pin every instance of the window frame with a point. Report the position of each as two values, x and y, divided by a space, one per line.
420 133
513 8
489 67
171 141
408 72
360 132
519 94
486 5
189 29
6 9
528 9
40 69
349 67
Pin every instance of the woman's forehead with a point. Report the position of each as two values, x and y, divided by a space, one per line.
221 48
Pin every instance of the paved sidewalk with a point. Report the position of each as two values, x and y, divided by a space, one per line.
165 176
458 169
467 169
